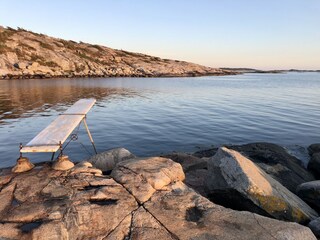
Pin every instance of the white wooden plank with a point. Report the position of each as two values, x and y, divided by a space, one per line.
60 129
81 107
48 148
57 131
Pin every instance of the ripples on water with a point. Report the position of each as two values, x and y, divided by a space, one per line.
150 116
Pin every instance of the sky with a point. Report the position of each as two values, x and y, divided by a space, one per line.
273 34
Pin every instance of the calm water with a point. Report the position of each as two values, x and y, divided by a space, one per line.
150 116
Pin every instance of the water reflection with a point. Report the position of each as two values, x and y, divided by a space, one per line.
25 98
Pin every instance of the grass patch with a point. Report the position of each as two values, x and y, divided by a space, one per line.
20 53
5 35
80 68
36 58
26 46
4 49
46 45
69 44
98 47
49 64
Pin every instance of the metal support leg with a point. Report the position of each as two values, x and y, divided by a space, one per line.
52 157
89 134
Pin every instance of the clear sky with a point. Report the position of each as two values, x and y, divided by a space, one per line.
270 34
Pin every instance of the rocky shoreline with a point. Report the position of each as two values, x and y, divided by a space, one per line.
253 191
25 54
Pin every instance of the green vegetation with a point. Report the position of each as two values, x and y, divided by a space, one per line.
42 44
80 68
26 46
98 47
36 58
4 36
49 64
46 45
20 53
42 61
68 44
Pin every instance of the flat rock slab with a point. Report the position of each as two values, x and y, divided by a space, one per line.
142 177
62 205
188 215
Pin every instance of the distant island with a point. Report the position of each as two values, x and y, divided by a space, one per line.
252 70
25 54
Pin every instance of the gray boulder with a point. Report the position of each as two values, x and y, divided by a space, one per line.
314 148
277 162
107 160
238 181
195 169
315 227
314 164
310 192
273 159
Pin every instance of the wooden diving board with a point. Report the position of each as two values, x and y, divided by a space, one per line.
50 138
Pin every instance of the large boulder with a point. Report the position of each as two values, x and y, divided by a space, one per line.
107 160
195 169
235 180
188 215
143 177
277 162
315 227
314 164
310 192
314 148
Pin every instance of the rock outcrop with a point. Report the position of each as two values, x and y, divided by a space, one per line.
274 160
315 227
195 169
314 163
81 203
314 148
24 54
143 177
310 193
244 185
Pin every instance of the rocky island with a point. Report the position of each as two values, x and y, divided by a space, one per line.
25 54
253 191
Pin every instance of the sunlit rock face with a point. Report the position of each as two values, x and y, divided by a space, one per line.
146 200
143 177
247 187
273 159
24 54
